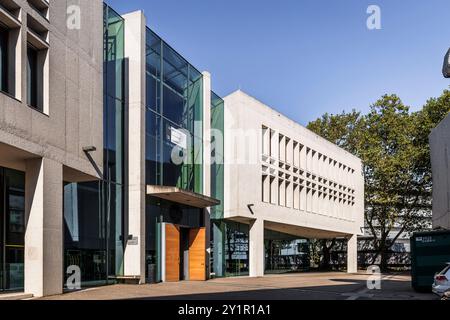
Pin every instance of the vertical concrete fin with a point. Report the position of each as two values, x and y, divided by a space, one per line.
256 248
135 31
44 221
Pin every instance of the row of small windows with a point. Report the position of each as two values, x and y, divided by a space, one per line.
36 54
332 189
304 167
298 196
290 153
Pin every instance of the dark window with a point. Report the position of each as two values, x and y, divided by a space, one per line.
12 229
32 78
4 35
173 108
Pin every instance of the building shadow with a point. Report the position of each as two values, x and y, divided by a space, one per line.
343 290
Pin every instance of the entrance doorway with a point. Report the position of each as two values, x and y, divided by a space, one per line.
185 253
12 229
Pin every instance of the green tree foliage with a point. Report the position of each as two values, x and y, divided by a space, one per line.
393 145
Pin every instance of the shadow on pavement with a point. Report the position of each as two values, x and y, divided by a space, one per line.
345 289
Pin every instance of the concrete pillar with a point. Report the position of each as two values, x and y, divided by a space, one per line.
44 224
207 162
352 254
256 248
134 257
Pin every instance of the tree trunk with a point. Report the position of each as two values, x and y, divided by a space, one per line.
384 260
326 256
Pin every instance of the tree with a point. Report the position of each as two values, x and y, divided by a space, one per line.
395 198
341 129
393 145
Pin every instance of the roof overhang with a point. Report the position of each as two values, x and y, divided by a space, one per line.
180 196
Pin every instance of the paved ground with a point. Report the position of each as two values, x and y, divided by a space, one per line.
307 286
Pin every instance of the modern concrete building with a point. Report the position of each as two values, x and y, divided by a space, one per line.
112 160
280 177
51 108
440 160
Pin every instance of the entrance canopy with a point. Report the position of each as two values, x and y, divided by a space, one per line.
180 196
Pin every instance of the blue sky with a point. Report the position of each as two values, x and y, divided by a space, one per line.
308 57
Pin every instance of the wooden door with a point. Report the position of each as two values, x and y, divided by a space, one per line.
197 254
172 253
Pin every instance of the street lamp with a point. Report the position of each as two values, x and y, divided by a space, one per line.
446 67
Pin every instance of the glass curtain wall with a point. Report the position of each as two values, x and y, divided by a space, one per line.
94 211
285 253
230 257
174 140
174 129
12 229
217 154
114 137
219 261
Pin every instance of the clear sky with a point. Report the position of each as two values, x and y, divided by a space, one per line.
308 57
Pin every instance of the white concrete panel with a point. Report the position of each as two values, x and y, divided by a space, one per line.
134 257
316 212
44 221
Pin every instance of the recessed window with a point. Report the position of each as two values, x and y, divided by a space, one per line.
41 6
37 65
4 35
32 78
10 54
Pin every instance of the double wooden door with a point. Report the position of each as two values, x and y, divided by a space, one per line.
196 257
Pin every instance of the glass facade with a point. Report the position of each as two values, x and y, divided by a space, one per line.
94 211
174 129
12 229
174 142
285 253
217 154
230 256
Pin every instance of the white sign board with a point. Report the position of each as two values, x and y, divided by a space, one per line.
178 137
133 242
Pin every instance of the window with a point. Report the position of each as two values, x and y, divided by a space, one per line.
10 58
4 35
12 229
32 78
41 6
37 65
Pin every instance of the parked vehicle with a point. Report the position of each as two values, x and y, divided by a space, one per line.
430 252
441 283
446 296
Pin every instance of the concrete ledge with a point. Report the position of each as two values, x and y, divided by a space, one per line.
181 196
15 296
128 279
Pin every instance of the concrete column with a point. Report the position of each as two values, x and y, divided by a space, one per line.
44 222
352 254
256 248
134 259
207 162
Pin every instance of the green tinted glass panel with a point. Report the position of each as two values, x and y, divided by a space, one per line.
217 154
174 91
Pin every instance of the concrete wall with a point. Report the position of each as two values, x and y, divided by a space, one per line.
74 81
48 146
134 260
306 216
243 181
440 160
